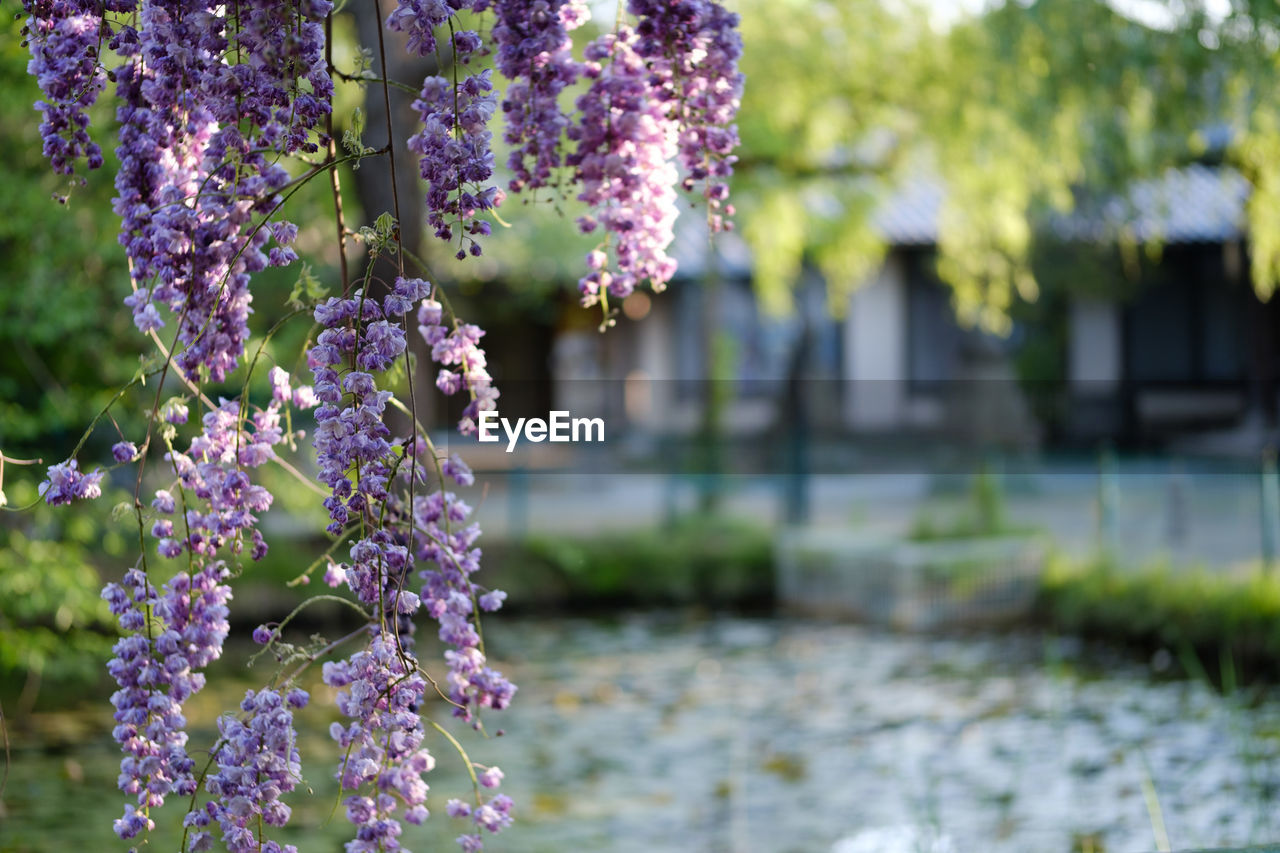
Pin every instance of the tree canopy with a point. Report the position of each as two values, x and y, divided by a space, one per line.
1020 112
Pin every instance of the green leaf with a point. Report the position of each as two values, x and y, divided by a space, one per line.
307 290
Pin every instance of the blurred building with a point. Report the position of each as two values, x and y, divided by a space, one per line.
1185 351
1187 347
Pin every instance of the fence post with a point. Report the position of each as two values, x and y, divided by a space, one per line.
1108 499
1177 513
1270 505
518 502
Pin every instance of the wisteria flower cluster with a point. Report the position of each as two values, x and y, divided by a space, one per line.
223 110
463 364
170 636
66 482
693 47
455 159
196 183
535 52
380 693
451 597
257 760
625 145
213 473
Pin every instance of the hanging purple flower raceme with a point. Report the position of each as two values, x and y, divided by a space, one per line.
196 186
450 596
493 814
64 37
262 106
535 53
625 144
455 157
352 439
213 473
419 19
380 692
463 363
693 48
257 761
171 635
177 252
280 47
155 188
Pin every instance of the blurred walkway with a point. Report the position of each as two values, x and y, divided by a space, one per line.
1188 516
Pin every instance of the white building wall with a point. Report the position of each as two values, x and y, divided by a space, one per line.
875 352
1095 359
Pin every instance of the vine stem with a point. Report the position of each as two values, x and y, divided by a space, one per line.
334 185
4 733
303 606
195 389
471 768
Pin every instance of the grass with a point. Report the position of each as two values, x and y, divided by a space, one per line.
983 515
1212 615
706 560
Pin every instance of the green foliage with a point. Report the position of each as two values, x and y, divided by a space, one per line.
1025 112
64 278
308 290
351 139
820 114
983 516
1220 615
53 624
706 560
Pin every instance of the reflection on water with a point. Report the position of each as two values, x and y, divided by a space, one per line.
665 734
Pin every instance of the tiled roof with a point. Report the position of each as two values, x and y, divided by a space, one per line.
910 215
1186 205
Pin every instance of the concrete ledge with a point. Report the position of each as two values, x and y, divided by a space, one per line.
909 586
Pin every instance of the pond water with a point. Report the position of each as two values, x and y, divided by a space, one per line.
736 735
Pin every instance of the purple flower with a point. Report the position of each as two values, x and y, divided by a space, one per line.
65 482
693 47
447 595
224 504
354 437
335 575
455 159
174 411
459 348
419 19
380 692
280 390
457 470
494 815
257 762
156 666
64 37
626 140
208 96
124 451
535 53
